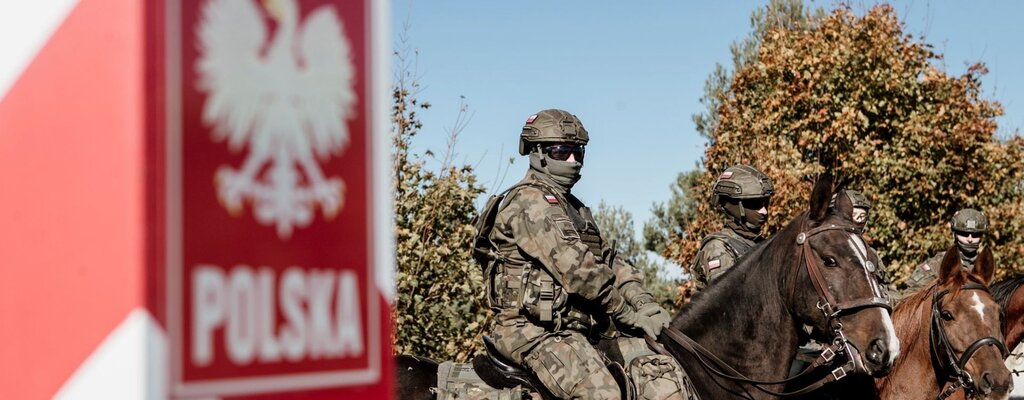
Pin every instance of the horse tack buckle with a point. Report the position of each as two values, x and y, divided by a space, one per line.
828 354
839 373
826 308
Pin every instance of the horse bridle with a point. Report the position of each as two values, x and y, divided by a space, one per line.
828 304
940 346
832 308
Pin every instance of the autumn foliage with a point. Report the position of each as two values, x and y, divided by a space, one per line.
858 93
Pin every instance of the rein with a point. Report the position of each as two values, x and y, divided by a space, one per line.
829 306
940 345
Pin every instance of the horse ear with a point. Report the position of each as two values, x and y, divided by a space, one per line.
820 196
842 183
950 267
985 266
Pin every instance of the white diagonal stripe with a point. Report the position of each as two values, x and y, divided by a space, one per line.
25 26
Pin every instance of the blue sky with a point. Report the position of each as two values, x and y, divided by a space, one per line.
634 72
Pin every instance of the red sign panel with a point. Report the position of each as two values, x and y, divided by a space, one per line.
271 244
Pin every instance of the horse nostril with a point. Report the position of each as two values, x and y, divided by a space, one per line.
877 353
987 382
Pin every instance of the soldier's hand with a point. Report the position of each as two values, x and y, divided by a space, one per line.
652 318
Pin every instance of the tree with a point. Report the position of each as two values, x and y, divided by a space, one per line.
440 308
672 219
857 93
777 14
616 225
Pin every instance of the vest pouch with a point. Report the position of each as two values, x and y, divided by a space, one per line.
542 296
508 286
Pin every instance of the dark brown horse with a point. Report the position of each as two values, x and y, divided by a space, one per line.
951 336
814 275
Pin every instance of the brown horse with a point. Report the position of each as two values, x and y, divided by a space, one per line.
1011 301
951 337
815 274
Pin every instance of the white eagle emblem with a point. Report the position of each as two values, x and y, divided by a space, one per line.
286 99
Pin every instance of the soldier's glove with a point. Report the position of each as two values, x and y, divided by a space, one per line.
652 318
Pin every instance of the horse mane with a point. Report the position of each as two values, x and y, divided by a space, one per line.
912 316
768 255
1003 290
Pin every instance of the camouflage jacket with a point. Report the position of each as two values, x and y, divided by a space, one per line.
718 252
927 271
552 233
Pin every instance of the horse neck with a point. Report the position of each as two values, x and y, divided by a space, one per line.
1014 319
915 375
742 319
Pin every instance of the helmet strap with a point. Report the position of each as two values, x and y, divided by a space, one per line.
543 157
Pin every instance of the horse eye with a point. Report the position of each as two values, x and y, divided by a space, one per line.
946 315
829 261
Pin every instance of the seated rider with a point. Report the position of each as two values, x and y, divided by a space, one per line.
555 283
969 227
743 196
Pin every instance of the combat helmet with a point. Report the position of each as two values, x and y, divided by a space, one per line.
552 126
743 182
742 190
969 220
846 201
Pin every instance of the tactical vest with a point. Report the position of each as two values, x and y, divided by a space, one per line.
736 246
529 286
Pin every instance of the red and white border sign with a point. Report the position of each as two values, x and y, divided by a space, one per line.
277 207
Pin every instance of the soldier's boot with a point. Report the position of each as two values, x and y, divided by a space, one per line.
570 368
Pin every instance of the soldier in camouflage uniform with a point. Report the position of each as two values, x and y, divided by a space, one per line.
555 283
969 227
743 194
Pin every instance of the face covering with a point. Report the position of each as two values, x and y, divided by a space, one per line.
565 174
744 221
968 251
754 220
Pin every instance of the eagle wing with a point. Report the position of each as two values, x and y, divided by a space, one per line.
232 73
326 82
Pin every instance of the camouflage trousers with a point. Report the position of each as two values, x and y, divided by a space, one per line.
571 368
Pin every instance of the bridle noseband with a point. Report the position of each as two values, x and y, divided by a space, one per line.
833 308
941 347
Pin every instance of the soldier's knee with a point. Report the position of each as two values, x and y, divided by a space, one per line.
659 377
571 369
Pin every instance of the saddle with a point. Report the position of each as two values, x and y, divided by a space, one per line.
500 373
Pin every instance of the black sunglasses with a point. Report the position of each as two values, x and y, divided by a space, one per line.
756 203
561 152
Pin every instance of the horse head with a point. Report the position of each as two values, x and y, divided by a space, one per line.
847 308
966 329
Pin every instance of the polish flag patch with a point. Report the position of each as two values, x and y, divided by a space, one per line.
551 199
926 267
726 175
714 264
532 117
